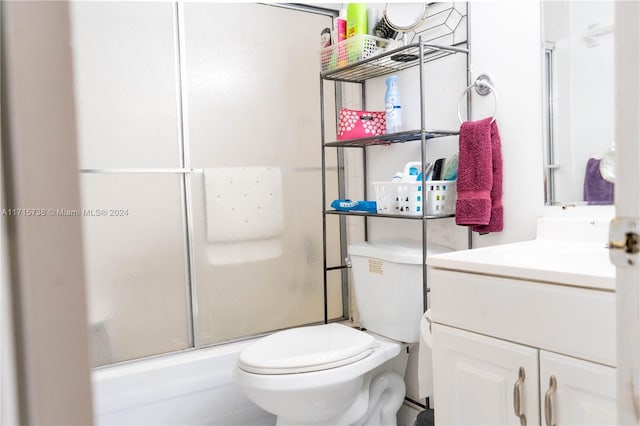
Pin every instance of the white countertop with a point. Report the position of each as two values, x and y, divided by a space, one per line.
575 263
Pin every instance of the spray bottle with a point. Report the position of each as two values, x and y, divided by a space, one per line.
392 105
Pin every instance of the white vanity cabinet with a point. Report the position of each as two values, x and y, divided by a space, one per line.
487 381
514 344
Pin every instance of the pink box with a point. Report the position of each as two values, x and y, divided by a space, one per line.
354 124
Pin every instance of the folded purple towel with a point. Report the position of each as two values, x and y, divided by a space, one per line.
473 206
597 191
479 202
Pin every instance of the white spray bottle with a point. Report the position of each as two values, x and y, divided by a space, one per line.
392 105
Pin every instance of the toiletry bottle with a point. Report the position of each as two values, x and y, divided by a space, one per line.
356 19
325 42
373 17
325 38
412 171
341 26
341 35
392 105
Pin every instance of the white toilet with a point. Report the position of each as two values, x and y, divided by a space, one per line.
336 375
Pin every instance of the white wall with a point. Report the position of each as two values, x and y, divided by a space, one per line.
506 44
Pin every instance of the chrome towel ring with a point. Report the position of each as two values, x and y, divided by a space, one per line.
483 86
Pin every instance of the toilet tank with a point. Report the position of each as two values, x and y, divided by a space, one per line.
387 286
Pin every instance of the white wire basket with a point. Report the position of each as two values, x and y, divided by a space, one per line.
349 51
405 198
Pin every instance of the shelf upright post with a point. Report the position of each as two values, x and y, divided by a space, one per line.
342 194
469 106
324 201
363 103
423 153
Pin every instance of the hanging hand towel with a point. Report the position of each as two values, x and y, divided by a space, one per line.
496 221
479 202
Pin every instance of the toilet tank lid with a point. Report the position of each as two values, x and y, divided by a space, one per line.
306 347
395 250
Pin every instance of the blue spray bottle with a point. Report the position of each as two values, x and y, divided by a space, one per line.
392 105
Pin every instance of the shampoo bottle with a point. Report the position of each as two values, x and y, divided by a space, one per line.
341 27
339 55
356 19
392 105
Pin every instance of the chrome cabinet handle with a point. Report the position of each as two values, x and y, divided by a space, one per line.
516 397
548 409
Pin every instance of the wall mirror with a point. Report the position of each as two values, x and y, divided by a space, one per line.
578 101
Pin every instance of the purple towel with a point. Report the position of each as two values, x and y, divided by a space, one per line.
496 222
597 191
479 202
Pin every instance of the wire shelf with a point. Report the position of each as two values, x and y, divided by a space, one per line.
390 216
389 62
391 138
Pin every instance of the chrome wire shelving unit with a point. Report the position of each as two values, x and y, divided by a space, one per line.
409 56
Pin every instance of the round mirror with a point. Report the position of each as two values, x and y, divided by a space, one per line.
404 17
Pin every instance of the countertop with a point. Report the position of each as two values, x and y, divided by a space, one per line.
574 263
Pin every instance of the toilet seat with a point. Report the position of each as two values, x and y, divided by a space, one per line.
306 349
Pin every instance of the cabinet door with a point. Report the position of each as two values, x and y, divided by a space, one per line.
475 378
585 392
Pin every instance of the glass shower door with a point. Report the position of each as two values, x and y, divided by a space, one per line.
252 121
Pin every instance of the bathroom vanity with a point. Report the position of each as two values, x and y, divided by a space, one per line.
524 333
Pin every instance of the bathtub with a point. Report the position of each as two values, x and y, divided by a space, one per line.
190 388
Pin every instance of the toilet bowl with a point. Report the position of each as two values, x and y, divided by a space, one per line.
329 374
336 375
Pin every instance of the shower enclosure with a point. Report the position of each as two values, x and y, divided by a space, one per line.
200 172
